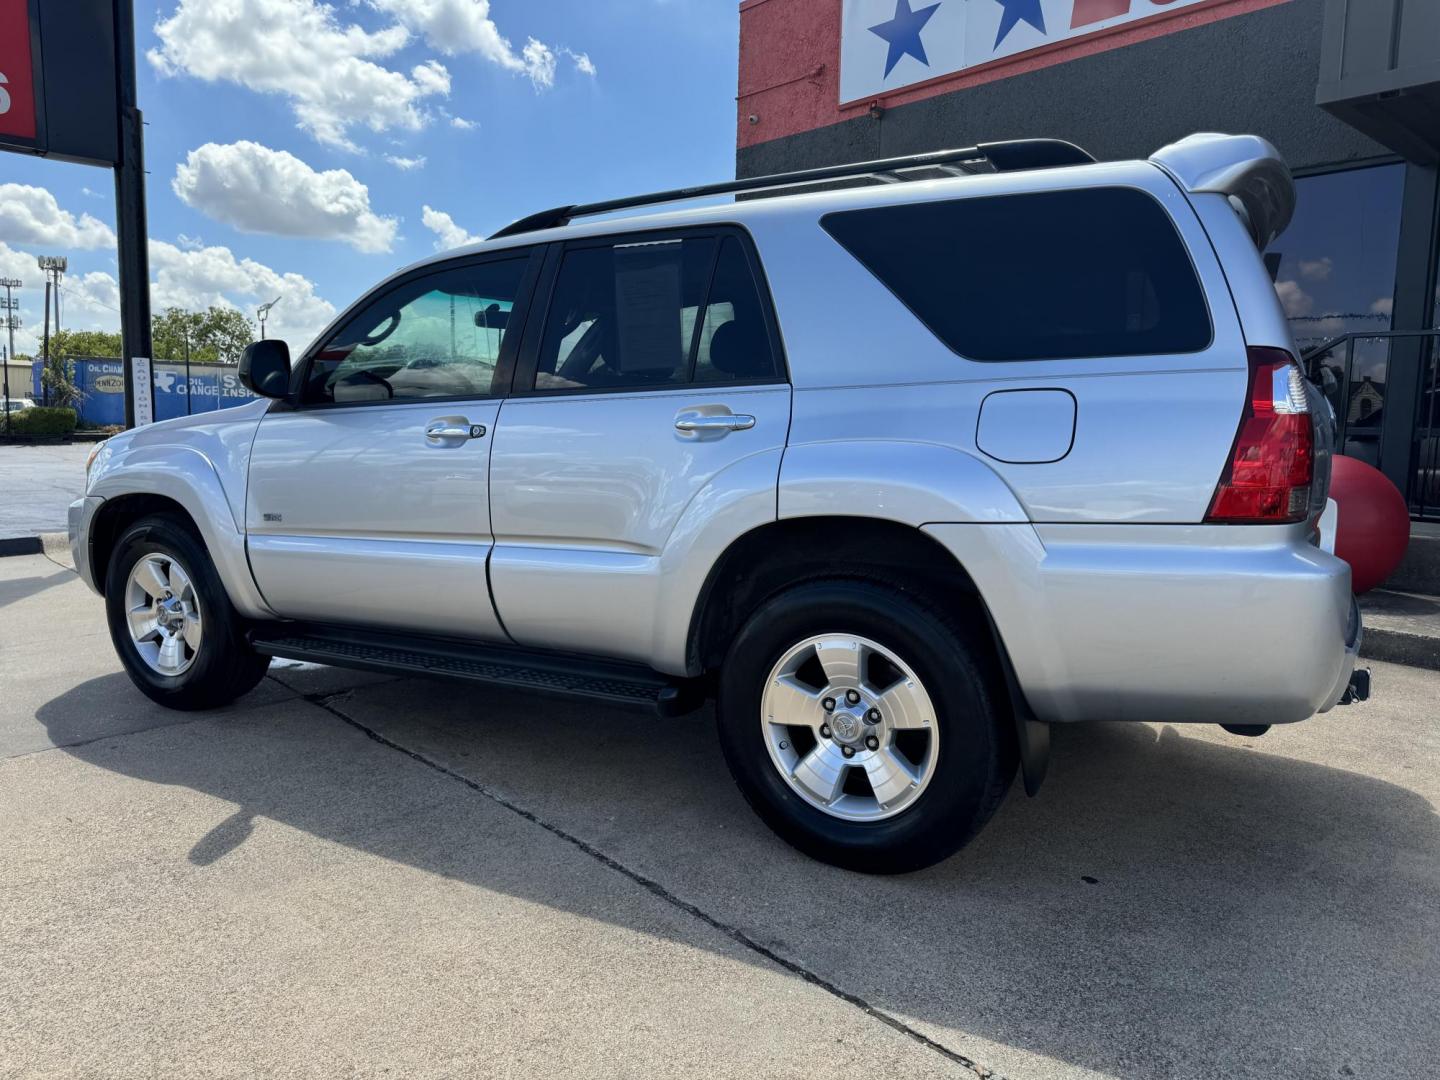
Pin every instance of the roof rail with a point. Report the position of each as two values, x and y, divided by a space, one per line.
1003 157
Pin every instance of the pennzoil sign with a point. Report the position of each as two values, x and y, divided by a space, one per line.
888 44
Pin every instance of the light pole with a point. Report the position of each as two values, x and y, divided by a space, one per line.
53 266
262 312
11 323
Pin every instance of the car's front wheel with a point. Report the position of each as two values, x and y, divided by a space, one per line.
176 633
863 725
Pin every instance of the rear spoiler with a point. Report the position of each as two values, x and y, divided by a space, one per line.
1246 169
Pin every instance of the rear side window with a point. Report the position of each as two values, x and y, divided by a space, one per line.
654 313
1053 275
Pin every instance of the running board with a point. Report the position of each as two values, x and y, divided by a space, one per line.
556 674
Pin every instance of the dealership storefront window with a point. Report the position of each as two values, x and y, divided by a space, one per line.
1334 269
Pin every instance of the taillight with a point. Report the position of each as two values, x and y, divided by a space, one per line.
1267 479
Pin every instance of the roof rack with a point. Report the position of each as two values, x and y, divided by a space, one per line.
1003 157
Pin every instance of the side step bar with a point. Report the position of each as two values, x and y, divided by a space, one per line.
615 683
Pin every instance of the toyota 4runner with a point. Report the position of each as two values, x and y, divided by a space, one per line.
900 474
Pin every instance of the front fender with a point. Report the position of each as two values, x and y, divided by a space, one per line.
913 483
187 476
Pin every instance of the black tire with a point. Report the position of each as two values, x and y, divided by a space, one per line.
976 756
223 666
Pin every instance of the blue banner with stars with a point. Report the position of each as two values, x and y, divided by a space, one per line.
888 44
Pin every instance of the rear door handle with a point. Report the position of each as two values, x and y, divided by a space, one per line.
699 422
441 431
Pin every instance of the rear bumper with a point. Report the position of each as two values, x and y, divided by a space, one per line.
81 515
1205 624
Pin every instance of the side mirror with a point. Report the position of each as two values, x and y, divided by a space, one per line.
265 368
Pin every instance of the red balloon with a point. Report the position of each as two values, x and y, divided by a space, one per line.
1373 525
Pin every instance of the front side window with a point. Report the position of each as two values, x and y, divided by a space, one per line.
654 314
436 336
1051 275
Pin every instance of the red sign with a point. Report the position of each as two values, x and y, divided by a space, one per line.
17 80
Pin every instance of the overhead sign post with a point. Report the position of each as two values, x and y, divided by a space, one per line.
67 90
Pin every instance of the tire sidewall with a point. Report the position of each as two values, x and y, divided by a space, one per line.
161 536
954 802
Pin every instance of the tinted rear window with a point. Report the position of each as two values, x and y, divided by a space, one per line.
1093 272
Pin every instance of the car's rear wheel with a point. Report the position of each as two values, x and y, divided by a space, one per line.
176 633
864 726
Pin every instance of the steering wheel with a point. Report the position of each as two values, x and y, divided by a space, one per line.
391 324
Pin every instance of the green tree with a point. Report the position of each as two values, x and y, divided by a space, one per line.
215 335
84 343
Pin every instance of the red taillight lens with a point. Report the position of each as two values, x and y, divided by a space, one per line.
1267 479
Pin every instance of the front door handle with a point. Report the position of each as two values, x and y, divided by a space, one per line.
697 422
442 431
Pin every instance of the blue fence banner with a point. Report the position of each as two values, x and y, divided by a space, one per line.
102 386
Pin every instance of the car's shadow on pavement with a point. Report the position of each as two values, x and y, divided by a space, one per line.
1169 906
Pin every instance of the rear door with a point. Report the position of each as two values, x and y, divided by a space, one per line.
368 500
652 383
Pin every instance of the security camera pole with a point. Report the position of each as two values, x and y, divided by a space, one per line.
262 311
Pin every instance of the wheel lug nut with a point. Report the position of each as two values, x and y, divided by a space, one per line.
829 704
824 731
848 751
852 696
873 716
872 743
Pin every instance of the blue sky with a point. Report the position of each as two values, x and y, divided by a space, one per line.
255 106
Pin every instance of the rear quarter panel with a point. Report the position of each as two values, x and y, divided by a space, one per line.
1151 434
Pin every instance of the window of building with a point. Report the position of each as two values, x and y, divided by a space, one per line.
439 335
1334 269
1086 273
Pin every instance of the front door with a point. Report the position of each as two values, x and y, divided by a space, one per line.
368 500
651 396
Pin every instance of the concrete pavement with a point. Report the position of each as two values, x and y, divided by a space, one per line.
37 485
346 874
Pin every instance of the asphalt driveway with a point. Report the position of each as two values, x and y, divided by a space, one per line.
348 875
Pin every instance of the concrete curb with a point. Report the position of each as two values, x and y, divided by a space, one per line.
21 545
56 545
1401 647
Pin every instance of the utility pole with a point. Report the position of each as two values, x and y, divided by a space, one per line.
189 386
45 350
10 324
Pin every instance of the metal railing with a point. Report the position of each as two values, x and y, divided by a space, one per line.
1401 387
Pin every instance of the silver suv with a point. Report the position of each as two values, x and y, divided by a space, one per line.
900 474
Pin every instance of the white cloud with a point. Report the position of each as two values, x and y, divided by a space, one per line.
214 275
299 49
30 215
447 233
462 26
1317 269
1385 305
582 61
539 63
260 190
463 124
1296 301
406 164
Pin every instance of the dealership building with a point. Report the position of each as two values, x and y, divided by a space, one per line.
1349 90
